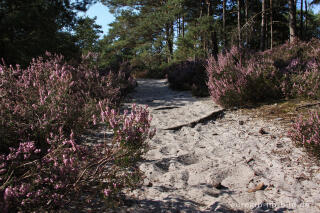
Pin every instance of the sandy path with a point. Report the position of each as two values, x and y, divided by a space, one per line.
213 166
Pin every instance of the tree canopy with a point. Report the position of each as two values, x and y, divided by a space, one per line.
29 28
153 33
150 34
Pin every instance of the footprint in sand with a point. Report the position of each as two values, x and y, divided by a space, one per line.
164 150
187 159
163 164
238 177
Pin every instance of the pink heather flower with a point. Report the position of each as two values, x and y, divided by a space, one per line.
94 118
72 142
106 192
8 193
38 193
24 188
65 160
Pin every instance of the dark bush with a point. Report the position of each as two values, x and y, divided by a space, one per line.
188 75
123 73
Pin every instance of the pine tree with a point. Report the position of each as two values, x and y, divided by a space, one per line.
29 28
263 26
292 20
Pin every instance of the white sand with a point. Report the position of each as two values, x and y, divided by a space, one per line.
212 166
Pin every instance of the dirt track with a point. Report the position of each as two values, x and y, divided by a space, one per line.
229 163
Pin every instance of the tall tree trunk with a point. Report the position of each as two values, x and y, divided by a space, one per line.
224 25
195 38
169 31
183 26
179 26
214 45
292 20
207 45
201 8
239 23
301 19
306 14
172 33
263 26
246 14
266 43
169 42
213 34
271 25
202 46
208 2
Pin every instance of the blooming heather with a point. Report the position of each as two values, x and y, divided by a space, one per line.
43 110
306 132
238 78
49 95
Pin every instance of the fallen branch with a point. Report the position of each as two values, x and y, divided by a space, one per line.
307 105
164 108
211 116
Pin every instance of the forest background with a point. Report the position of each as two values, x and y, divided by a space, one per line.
150 35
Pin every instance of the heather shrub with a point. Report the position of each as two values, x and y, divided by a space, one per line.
44 109
306 133
35 179
124 79
131 130
306 82
300 66
188 75
240 78
237 79
50 95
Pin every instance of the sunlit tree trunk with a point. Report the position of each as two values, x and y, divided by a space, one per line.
246 14
239 23
213 34
183 26
306 14
169 41
292 20
271 25
224 24
179 26
301 19
263 26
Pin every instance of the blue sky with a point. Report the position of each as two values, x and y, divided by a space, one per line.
104 18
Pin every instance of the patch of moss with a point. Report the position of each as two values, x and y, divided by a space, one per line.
285 110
